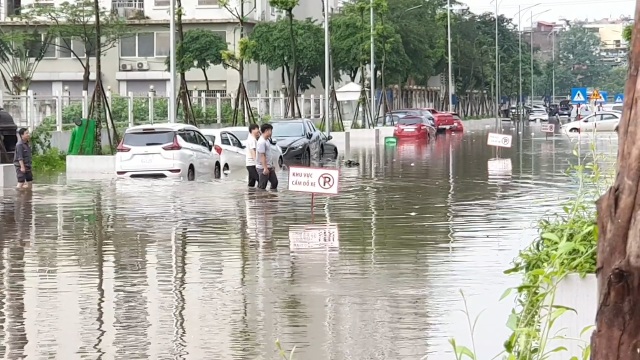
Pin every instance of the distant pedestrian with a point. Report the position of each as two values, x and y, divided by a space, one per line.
252 143
264 164
22 159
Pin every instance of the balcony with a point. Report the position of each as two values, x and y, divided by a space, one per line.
128 9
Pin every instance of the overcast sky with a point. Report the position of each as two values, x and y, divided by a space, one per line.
570 9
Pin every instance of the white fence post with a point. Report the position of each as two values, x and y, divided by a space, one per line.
281 104
109 102
219 107
302 111
203 102
152 94
85 104
313 106
31 113
58 111
259 106
67 96
130 108
271 105
322 111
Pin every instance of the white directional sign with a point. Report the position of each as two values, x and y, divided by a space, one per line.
314 180
500 140
314 236
547 128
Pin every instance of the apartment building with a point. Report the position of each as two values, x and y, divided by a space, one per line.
613 47
137 63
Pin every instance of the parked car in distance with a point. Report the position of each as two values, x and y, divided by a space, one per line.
229 148
392 117
414 127
298 139
457 120
443 120
612 107
165 151
242 133
538 115
329 147
564 109
600 121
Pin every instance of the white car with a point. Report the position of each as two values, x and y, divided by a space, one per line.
165 151
600 121
243 132
228 147
538 115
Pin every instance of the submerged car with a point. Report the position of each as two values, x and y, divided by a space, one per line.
457 123
443 120
600 121
165 151
298 139
414 127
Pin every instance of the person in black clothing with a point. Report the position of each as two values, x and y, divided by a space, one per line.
252 142
22 159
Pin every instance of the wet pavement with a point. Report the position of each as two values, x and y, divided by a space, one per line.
210 270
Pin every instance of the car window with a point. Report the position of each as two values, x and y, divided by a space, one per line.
188 136
288 129
211 138
224 138
241 134
234 140
312 126
410 121
202 140
608 117
148 138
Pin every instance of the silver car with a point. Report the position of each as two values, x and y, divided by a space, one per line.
242 133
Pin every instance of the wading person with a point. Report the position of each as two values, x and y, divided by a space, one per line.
252 143
22 159
264 164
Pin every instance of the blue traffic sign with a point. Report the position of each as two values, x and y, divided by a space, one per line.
579 95
619 98
603 97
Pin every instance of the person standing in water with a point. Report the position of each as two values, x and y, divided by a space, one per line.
252 142
264 164
22 159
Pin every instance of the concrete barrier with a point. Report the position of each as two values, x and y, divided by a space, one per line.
8 176
91 164
581 295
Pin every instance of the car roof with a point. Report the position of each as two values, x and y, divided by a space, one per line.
211 131
235 128
288 121
165 126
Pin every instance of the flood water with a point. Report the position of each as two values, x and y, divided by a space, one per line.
163 270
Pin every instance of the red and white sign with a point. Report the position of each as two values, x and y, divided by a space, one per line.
314 236
499 140
314 180
547 128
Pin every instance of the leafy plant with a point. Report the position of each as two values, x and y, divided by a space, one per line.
283 354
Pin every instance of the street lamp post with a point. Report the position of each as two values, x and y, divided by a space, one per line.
497 70
172 62
553 66
451 87
373 68
327 70
520 102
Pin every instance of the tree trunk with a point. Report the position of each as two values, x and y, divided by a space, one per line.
294 68
86 77
98 97
206 79
617 335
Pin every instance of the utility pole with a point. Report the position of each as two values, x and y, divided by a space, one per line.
553 66
373 69
497 71
531 57
451 86
327 70
520 107
172 62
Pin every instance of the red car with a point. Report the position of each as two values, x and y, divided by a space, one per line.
414 127
444 120
457 126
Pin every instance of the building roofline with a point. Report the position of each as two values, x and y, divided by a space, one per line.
142 22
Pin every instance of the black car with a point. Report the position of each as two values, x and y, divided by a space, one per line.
564 109
328 148
299 139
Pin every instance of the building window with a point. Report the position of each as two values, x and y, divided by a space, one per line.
161 3
70 48
207 2
145 45
38 45
617 43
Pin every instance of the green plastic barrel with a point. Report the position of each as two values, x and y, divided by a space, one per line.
390 140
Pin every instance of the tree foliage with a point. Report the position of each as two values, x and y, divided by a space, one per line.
20 53
200 49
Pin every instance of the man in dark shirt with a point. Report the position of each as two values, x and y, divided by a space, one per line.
22 159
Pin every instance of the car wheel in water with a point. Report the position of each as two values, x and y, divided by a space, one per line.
225 170
321 152
280 162
335 153
191 174
306 157
574 130
216 171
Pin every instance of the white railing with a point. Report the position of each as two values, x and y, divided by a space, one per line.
58 112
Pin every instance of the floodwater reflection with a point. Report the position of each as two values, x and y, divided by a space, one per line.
153 269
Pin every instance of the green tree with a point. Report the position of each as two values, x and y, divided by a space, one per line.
73 29
287 6
20 54
626 33
270 45
578 57
200 49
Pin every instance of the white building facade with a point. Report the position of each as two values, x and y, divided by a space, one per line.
137 63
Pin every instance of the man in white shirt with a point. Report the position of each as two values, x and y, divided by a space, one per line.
264 164
252 142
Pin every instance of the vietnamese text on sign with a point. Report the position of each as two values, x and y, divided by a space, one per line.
314 180
500 140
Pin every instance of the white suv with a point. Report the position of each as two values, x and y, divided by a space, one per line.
165 151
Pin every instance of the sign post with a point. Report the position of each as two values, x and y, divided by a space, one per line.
547 128
314 181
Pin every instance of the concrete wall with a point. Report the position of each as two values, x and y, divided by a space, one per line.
8 176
